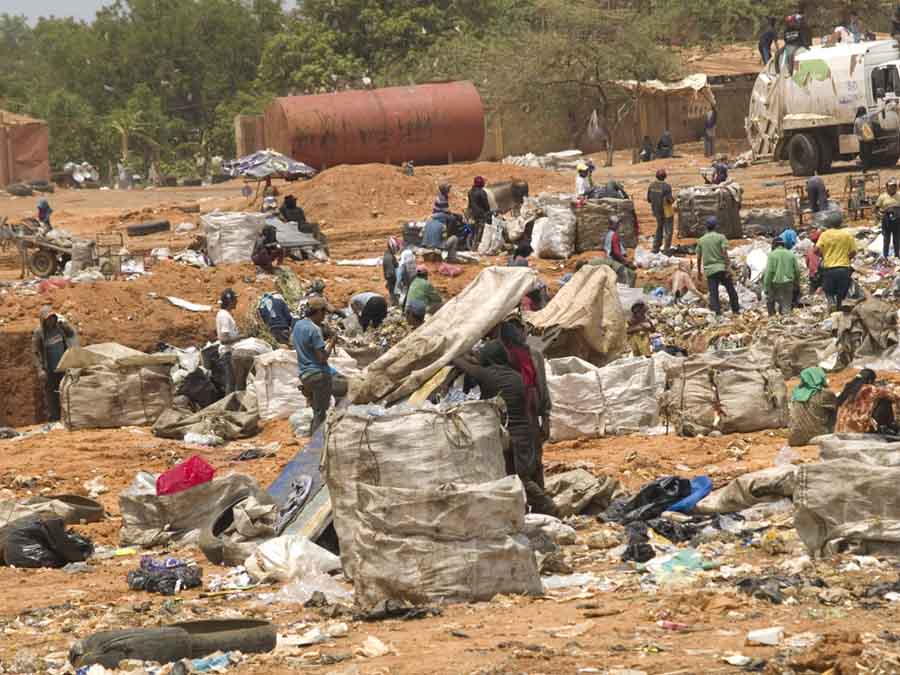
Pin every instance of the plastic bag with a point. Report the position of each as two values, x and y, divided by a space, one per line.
167 577
288 558
34 543
652 500
191 472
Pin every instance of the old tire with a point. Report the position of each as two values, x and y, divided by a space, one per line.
225 635
217 549
803 153
19 190
150 227
192 182
42 186
42 263
108 648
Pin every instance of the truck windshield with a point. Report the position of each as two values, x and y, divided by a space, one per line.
885 80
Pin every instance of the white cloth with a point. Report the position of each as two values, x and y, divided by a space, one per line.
226 329
583 185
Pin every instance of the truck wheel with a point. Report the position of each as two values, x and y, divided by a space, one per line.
42 263
803 153
826 153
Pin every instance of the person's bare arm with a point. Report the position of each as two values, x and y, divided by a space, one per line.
699 265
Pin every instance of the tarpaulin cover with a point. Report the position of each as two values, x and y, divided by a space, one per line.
450 333
585 319
692 84
268 163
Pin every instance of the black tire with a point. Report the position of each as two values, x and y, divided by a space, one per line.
42 263
803 153
150 227
216 548
826 152
19 190
108 648
248 636
192 182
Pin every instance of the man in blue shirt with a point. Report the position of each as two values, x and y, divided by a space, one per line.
318 381
435 234
274 312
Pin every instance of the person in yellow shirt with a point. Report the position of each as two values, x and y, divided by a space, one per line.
837 247
887 210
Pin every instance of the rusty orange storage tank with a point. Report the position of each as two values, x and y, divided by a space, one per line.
428 124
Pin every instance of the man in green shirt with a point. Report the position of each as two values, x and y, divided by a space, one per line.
782 277
712 262
421 291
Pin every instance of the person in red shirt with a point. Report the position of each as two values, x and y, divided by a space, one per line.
814 263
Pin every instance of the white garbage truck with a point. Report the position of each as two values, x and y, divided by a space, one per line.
804 105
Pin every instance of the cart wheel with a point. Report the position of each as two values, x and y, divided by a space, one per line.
42 263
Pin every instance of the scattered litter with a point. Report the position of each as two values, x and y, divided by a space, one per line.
766 636
169 576
373 648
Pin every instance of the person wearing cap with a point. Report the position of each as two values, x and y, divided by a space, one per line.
659 194
319 382
837 247
639 329
49 341
406 273
712 263
584 184
789 238
370 308
665 148
44 212
228 334
442 201
422 291
479 204
887 210
781 279
389 267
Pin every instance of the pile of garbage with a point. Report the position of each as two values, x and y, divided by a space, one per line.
564 160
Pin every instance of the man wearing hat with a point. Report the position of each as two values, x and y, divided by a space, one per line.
422 291
48 344
887 209
318 380
712 262
659 194
781 279
583 183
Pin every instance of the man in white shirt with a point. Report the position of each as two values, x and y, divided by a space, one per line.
227 333
583 182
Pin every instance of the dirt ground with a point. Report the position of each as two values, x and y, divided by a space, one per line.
613 625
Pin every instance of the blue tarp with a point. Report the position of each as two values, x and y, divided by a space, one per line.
268 164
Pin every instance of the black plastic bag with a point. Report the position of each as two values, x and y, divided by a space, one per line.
651 501
165 579
639 548
199 388
677 533
35 543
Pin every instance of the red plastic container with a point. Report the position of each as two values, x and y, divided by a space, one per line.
192 471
